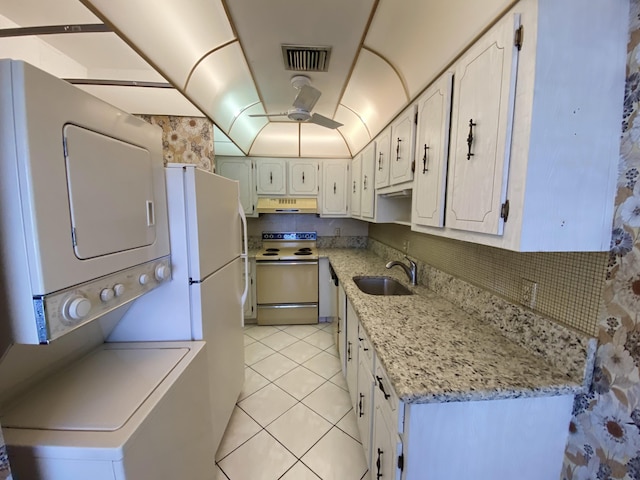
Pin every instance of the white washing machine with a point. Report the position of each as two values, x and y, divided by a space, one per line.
125 411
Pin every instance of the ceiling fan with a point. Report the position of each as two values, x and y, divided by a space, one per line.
303 104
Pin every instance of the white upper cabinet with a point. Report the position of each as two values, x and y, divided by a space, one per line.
271 176
402 147
482 118
383 156
303 177
355 188
367 183
534 140
335 188
431 155
242 170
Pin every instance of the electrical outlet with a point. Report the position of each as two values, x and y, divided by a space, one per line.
528 293
405 245
336 232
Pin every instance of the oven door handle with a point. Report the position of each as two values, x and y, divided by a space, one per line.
285 263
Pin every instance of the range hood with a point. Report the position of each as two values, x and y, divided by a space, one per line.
287 205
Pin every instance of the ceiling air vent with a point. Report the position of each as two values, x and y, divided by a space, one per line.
306 59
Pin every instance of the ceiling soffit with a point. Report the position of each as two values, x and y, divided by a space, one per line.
225 57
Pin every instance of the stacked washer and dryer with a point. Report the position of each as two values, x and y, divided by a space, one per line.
85 391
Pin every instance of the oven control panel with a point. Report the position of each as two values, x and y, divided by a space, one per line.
289 236
58 313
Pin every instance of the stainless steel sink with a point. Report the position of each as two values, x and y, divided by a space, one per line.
381 286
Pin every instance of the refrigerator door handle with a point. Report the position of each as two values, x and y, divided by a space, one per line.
244 255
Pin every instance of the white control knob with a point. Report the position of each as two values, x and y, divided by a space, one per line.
118 289
143 279
76 308
162 272
107 294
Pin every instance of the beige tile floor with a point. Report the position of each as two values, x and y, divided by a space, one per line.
293 420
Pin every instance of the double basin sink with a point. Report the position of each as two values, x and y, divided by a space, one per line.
381 286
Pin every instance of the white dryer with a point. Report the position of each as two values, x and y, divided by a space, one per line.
134 411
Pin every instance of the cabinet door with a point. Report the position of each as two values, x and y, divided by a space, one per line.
335 185
432 149
402 147
352 353
243 171
303 177
364 406
342 329
271 176
386 447
356 186
481 121
383 155
367 198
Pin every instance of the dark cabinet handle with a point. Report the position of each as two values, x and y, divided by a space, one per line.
354 186
348 351
398 149
365 182
334 188
302 177
425 169
360 412
470 138
270 177
381 387
380 161
378 464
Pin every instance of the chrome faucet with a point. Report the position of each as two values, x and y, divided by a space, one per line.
411 271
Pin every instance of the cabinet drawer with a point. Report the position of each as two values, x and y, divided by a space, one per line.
386 397
365 351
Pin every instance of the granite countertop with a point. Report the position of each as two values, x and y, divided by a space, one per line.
434 352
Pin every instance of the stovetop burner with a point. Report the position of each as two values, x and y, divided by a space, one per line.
288 246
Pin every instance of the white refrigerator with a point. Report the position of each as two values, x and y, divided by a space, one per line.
204 300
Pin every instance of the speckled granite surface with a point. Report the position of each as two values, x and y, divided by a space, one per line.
433 351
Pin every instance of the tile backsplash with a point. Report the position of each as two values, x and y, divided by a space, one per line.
569 284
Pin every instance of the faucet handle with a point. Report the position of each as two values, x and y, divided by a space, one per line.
410 261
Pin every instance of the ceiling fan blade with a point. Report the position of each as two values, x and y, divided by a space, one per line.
307 97
269 115
324 121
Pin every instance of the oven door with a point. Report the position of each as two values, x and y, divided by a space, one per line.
287 282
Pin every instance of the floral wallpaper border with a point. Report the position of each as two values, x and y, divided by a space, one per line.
604 440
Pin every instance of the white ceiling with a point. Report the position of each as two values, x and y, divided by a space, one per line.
224 59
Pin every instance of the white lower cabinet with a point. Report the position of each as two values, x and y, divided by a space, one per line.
521 438
365 404
386 451
342 329
352 353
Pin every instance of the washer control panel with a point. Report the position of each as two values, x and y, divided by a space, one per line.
58 313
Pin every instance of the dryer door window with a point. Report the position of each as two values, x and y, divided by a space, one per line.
110 193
